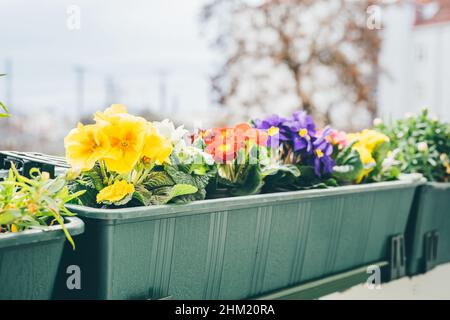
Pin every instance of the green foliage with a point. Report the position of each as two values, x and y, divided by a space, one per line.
157 179
281 178
294 177
250 181
34 203
160 185
348 164
243 176
423 145
162 195
309 180
386 168
91 182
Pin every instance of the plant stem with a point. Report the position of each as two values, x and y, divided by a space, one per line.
103 171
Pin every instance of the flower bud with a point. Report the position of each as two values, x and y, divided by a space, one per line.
377 122
422 146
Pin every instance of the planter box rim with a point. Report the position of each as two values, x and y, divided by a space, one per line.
221 204
438 185
74 225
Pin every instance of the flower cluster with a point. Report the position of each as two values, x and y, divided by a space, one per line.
225 143
125 160
421 144
299 141
238 153
117 139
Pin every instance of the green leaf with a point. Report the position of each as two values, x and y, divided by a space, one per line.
251 183
87 198
157 179
280 178
348 165
143 196
66 232
180 190
163 195
5 109
381 151
93 179
178 176
53 186
124 201
9 216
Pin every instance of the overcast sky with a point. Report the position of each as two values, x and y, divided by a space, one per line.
130 41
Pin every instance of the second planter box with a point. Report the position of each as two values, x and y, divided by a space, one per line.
429 229
236 248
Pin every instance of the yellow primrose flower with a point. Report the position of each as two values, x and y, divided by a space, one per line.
369 138
367 160
156 147
111 114
115 192
367 142
84 146
126 136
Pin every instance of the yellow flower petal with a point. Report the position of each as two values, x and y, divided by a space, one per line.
126 138
115 192
111 114
84 146
156 147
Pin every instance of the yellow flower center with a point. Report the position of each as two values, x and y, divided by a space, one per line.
124 144
303 133
319 153
146 159
273 131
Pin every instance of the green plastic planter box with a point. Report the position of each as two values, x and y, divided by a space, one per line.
429 228
29 261
236 248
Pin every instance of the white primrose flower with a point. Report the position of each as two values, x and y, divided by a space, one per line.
422 146
186 153
176 136
390 160
197 156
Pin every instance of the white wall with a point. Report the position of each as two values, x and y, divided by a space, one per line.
395 60
431 69
417 64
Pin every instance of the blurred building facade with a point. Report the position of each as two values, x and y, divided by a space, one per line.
414 56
